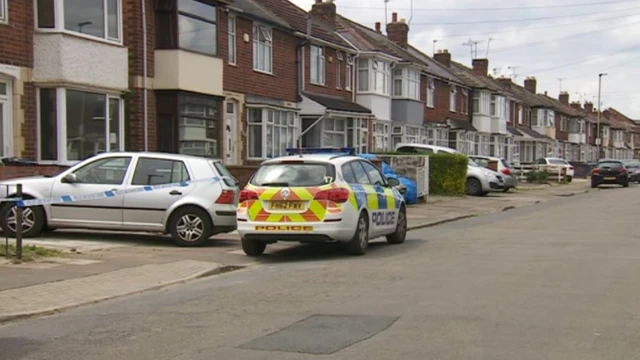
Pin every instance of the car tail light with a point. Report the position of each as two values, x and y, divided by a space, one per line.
339 195
226 197
506 171
247 195
570 167
623 171
596 171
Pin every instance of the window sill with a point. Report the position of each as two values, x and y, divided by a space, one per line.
232 64
430 107
373 93
263 72
319 85
118 43
4 22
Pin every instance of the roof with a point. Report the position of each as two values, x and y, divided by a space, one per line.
434 67
532 133
297 19
514 131
255 10
559 106
461 125
474 80
529 99
336 103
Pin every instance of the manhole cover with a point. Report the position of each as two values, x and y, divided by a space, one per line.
322 334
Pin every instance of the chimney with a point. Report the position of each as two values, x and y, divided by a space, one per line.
443 57
325 11
564 97
576 104
588 106
505 82
481 67
398 31
530 84
378 27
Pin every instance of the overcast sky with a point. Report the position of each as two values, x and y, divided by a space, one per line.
573 40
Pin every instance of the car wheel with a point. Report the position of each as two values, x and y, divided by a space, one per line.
473 187
253 247
626 184
360 241
190 226
569 178
400 234
593 185
33 220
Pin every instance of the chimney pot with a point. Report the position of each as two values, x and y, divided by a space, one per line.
398 31
378 26
394 17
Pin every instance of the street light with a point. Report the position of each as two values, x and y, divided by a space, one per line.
599 139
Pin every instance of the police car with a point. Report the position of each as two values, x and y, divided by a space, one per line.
320 195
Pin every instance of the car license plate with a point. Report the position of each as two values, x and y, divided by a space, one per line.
286 205
610 178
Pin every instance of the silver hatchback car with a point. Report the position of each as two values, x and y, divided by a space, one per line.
189 197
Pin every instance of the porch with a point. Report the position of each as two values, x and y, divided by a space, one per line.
531 145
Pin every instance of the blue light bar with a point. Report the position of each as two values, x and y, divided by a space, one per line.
321 150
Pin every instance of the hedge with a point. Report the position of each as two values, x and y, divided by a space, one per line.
447 172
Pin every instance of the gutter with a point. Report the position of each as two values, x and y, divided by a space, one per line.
320 41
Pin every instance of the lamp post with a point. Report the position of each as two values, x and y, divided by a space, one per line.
599 138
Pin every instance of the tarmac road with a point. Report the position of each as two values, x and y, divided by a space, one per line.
557 280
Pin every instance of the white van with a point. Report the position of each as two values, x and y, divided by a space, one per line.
480 180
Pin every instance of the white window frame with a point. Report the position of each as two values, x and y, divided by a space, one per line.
262 65
465 107
61 124
339 64
293 124
232 40
348 73
453 98
431 93
364 72
520 117
4 11
317 57
7 119
58 8
381 136
406 84
381 70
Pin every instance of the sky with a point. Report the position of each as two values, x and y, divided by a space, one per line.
572 40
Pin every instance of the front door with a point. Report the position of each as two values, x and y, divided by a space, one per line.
106 174
230 142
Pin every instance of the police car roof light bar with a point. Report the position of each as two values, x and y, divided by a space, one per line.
322 150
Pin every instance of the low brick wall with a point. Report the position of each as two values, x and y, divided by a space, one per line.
242 173
11 171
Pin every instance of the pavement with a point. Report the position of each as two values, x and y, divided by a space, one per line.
554 280
95 261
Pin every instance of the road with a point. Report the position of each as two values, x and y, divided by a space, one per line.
557 280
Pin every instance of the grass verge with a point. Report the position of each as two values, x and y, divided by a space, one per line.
29 253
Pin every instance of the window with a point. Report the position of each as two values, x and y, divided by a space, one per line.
262 49
431 93
186 24
347 174
397 82
270 132
87 124
374 174
231 29
381 77
107 171
476 103
317 65
339 64
294 175
97 18
4 11
453 98
6 132
360 173
363 75
493 106
406 83
520 118
159 171
348 73
465 101
335 132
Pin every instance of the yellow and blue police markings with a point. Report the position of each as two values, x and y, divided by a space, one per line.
381 202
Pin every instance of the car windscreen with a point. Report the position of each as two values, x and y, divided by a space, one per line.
558 162
294 174
631 164
506 164
473 163
609 164
228 178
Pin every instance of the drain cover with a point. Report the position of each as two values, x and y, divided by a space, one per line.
322 334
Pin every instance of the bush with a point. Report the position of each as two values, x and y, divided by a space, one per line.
537 176
447 174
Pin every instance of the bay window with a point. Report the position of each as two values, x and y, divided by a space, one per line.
406 84
270 132
373 76
317 65
381 77
520 117
95 18
74 125
453 98
186 24
363 75
431 93
348 76
262 49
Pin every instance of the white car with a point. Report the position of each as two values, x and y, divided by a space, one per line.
189 197
480 181
557 163
320 197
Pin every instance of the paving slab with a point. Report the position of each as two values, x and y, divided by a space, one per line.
54 296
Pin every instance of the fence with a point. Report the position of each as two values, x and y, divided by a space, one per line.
556 173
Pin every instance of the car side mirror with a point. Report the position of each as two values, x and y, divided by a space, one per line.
70 178
393 182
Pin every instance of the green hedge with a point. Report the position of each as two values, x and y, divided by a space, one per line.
447 174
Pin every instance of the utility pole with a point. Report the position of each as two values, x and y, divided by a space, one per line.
560 82
599 139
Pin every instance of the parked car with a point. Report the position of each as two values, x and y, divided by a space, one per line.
557 162
633 168
504 167
191 198
609 172
480 181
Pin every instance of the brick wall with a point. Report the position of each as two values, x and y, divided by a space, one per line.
29 129
440 112
16 38
330 74
12 172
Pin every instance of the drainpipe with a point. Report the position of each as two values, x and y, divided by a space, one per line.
300 69
145 111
